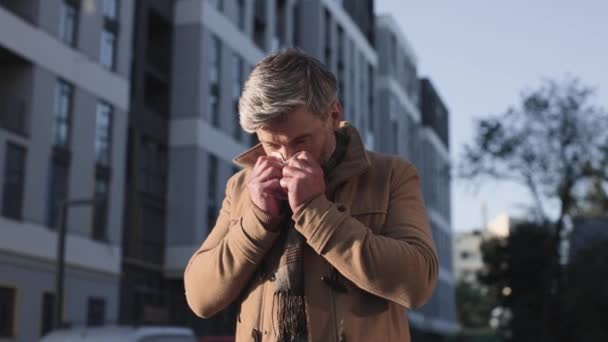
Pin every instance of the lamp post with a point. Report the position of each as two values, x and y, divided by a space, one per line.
61 235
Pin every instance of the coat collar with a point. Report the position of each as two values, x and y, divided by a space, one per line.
355 162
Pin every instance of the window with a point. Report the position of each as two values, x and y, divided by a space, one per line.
47 312
7 311
240 16
280 30
328 40
152 167
107 49
212 172
215 56
212 178
370 100
100 212
63 109
103 134
96 311
395 128
295 14
58 191
394 51
110 9
237 83
219 4
14 179
153 240
260 23
68 22
340 58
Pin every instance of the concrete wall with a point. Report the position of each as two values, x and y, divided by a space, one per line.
32 278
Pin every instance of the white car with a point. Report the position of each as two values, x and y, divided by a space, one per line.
118 333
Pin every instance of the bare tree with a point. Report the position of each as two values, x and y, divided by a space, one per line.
555 143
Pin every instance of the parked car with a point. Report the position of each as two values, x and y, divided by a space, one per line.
116 333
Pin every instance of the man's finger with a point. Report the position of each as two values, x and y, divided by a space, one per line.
269 173
264 163
271 185
301 164
285 182
293 172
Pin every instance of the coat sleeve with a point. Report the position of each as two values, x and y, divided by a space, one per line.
218 271
400 264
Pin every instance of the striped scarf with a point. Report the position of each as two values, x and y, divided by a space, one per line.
289 277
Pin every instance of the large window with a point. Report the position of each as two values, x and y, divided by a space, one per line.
100 212
215 57
14 180
328 40
240 15
68 22
109 34
7 311
58 190
110 9
96 311
153 165
237 84
103 134
62 114
107 49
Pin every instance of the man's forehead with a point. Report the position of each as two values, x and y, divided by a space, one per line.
282 136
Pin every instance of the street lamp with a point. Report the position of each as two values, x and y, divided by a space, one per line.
61 231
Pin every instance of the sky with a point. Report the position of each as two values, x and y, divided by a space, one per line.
482 54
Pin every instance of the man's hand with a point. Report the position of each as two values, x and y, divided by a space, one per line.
303 179
264 187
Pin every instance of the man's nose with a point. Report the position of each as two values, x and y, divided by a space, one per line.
287 153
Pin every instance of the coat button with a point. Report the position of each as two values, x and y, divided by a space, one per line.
341 208
272 277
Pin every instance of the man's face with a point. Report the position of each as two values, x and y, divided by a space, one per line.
302 130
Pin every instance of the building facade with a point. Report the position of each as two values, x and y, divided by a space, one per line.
411 121
136 101
64 100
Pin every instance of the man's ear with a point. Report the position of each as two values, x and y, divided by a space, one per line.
335 114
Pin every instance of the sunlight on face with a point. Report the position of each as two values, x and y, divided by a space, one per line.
301 131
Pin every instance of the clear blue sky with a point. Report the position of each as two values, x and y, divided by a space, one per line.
481 54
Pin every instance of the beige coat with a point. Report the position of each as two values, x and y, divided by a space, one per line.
375 233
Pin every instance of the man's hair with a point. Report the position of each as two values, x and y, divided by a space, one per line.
282 82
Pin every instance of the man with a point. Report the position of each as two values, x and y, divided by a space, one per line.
317 238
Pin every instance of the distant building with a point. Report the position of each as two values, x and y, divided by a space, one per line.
467 247
411 121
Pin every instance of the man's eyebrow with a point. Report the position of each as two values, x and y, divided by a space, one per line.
301 136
